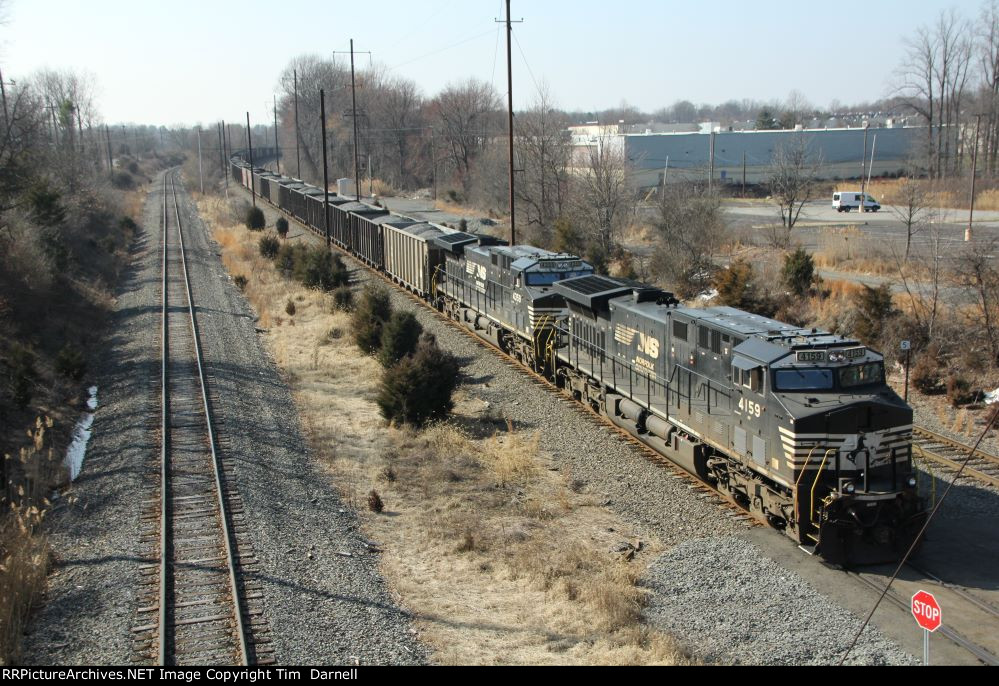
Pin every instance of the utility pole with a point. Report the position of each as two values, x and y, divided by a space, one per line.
201 173
249 145
509 77
743 174
277 147
711 164
326 178
874 149
225 172
79 128
353 100
353 113
433 158
863 171
298 135
218 130
974 174
3 91
107 134
371 178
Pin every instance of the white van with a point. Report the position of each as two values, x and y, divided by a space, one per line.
844 201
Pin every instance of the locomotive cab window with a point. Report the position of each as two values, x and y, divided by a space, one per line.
861 375
747 376
703 337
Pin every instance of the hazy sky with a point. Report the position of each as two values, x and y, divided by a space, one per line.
181 61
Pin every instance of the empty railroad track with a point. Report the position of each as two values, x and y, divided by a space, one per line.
950 455
194 598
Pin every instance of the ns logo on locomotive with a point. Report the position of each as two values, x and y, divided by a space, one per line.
797 426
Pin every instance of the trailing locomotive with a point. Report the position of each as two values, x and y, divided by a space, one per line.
797 426
506 295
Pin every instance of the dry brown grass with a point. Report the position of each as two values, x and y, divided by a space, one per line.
501 558
383 188
851 250
948 194
24 550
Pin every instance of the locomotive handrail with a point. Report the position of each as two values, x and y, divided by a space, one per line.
815 484
433 281
797 483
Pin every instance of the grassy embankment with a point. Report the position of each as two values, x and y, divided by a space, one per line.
61 257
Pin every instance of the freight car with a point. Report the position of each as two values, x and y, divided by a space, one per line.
797 426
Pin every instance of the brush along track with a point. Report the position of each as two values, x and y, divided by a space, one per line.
195 604
951 455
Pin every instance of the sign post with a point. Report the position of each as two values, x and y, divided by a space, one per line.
927 613
907 349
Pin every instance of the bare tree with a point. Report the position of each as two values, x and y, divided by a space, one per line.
918 87
796 109
934 85
793 178
543 150
691 228
988 56
465 114
603 196
398 122
911 209
976 271
921 279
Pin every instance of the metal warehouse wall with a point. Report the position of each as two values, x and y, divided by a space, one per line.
840 150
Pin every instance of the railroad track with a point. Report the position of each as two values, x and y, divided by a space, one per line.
951 454
195 602
973 614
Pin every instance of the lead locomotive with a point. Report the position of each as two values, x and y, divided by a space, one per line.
797 426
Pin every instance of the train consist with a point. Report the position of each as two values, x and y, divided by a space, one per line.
797 426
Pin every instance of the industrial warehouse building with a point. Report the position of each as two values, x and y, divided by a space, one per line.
686 155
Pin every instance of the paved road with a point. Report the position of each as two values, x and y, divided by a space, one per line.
819 216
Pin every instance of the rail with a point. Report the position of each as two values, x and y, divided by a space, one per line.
216 465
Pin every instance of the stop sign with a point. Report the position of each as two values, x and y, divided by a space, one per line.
926 611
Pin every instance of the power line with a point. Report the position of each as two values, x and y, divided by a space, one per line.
437 52
526 63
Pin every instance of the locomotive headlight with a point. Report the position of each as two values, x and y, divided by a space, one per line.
850 489
912 482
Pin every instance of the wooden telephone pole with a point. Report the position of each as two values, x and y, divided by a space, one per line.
509 76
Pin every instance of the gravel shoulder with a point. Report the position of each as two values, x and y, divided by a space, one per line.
322 606
90 603
735 604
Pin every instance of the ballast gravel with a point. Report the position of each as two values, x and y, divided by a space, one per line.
730 603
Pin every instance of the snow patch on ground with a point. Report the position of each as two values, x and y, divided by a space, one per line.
81 436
